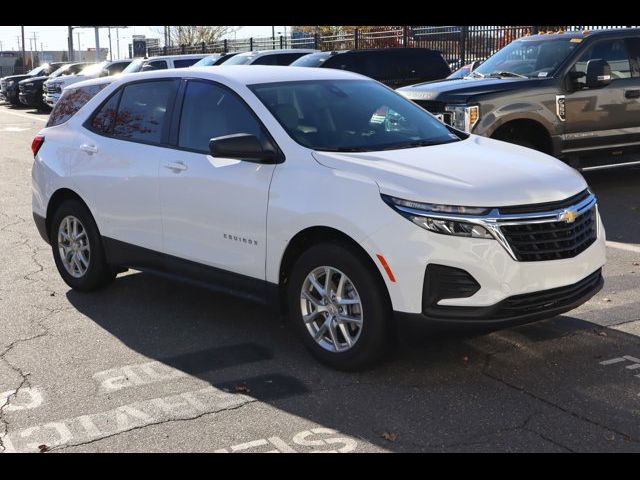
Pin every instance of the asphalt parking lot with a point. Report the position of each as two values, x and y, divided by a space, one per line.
151 365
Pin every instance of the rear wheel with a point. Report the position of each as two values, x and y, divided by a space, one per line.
339 308
77 248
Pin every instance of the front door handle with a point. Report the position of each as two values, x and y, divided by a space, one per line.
90 149
632 93
176 167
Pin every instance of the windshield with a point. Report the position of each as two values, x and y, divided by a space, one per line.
528 58
350 116
241 59
94 69
311 60
134 66
37 71
207 61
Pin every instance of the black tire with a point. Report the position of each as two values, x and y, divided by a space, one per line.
375 339
98 273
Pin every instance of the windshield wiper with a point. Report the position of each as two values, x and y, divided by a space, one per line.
507 74
480 75
417 143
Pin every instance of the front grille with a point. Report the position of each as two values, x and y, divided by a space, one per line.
548 299
534 242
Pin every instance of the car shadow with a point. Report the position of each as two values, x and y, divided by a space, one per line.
441 390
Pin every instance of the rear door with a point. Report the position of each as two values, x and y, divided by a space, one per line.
604 118
117 161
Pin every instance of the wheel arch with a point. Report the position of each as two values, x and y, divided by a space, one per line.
58 197
311 236
529 128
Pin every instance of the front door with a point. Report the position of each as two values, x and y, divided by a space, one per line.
214 210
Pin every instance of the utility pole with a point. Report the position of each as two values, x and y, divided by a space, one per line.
70 42
110 50
97 29
118 41
273 36
80 59
24 54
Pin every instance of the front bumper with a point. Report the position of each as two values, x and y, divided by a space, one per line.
517 309
30 99
51 99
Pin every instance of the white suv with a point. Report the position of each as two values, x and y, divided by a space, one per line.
319 190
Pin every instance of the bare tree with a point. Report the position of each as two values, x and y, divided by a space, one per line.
190 35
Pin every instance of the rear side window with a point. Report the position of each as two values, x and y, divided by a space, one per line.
72 100
142 112
104 119
155 65
184 63
278 59
116 68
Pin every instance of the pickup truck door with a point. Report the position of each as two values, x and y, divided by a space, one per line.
604 119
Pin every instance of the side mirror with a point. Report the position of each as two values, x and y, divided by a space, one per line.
243 146
598 74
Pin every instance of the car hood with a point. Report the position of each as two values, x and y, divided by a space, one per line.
16 78
35 79
461 91
477 171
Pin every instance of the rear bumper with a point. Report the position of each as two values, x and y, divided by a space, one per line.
516 309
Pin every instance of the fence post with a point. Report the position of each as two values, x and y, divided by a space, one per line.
203 49
251 43
315 41
464 33
183 48
355 39
226 49
280 42
164 50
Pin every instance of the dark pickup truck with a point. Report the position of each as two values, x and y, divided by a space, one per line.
574 95
9 85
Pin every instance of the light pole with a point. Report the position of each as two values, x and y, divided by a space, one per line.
97 30
110 50
80 59
24 54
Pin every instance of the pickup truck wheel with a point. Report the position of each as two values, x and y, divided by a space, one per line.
338 308
77 248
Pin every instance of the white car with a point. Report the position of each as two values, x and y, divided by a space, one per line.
281 184
164 62
52 89
284 56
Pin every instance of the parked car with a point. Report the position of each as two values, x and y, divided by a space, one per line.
300 195
573 95
53 88
9 89
214 60
32 89
392 66
268 57
163 62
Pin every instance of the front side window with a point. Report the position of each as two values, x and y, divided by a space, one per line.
72 100
528 58
134 66
210 111
350 116
95 69
155 65
311 59
116 68
614 52
142 111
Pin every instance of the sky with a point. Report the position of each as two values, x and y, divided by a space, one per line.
55 38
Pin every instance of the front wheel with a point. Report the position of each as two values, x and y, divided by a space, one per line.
339 307
77 248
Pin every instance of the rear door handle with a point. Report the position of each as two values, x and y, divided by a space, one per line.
90 149
176 167
632 94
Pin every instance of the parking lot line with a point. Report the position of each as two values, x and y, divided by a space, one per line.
30 117
623 246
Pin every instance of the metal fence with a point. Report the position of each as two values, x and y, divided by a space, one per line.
458 44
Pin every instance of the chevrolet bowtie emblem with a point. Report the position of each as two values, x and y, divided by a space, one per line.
568 216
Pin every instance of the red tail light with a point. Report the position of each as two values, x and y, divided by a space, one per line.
36 144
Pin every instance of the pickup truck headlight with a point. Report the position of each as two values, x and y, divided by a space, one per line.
10 83
465 117
437 218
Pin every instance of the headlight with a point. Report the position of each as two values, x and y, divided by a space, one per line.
437 218
464 117
10 83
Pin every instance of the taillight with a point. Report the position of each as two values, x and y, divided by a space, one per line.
36 144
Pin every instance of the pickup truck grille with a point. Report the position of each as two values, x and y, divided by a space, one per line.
437 109
533 242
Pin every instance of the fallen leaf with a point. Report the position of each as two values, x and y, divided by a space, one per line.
636 264
390 436
609 436
465 359
43 448
603 334
242 388
606 299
